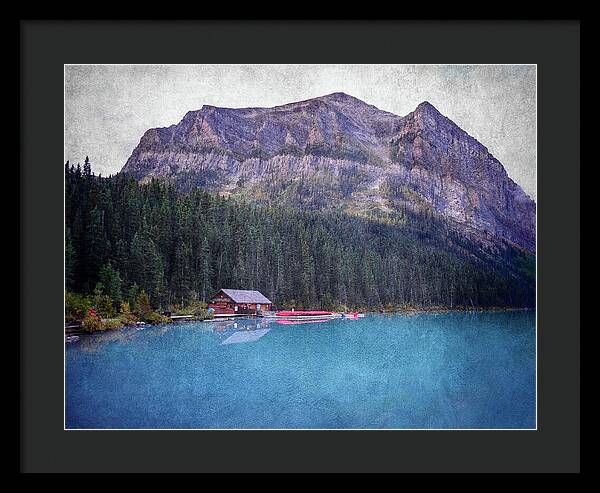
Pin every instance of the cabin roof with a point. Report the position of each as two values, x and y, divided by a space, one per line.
246 296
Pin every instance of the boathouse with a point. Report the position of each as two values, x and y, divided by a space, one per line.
239 302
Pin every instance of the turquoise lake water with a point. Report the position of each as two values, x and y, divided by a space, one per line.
446 370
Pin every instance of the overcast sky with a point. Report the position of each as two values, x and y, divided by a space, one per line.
109 107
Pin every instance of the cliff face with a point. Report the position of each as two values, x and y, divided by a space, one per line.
339 152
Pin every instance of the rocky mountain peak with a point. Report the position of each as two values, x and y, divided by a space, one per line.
429 116
338 151
427 107
342 97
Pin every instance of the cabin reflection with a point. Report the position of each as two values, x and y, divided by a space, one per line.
253 329
245 336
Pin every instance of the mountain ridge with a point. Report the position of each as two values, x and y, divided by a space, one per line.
336 151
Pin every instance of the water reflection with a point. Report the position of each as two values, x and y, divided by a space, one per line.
245 336
221 325
92 343
258 323
300 322
231 331
250 330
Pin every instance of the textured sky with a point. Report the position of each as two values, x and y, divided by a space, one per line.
109 107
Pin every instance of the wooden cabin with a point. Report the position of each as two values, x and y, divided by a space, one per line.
239 302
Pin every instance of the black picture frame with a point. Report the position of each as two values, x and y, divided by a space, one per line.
47 45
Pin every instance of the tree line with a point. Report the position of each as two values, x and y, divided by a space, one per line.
123 237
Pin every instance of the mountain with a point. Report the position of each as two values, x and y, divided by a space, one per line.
338 152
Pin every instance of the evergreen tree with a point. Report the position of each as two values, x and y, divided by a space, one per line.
110 281
69 261
205 285
182 272
87 168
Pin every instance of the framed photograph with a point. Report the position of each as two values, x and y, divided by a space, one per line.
261 249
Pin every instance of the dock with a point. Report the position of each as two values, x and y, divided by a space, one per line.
232 315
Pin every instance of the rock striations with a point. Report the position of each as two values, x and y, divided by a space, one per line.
337 151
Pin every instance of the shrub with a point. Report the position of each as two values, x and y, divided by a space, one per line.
143 304
113 323
126 317
76 306
92 321
103 304
156 318
195 307
202 313
182 310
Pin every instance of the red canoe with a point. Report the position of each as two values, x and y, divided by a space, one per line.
302 313
298 322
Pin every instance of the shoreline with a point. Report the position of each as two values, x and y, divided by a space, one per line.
77 330
408 311
400 311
